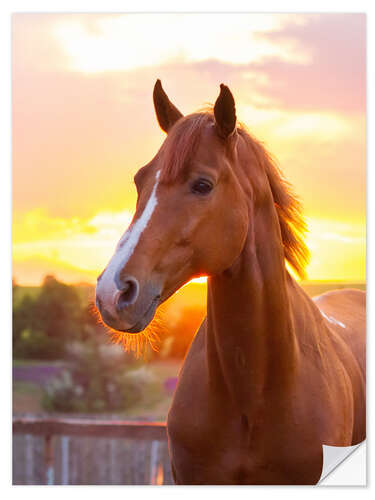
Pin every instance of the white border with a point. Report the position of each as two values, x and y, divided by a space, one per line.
151 6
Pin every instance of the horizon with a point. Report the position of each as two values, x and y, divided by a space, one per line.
192 282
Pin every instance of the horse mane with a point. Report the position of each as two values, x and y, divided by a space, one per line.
288 207
179 150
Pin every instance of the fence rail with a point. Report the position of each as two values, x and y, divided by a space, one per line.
85 427
60 451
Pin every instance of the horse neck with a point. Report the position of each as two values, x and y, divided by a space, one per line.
251 347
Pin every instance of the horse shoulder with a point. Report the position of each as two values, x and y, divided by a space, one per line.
346 304
340 350
345 313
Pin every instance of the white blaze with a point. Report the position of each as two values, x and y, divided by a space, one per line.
106 288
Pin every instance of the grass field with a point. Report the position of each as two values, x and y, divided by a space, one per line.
27 395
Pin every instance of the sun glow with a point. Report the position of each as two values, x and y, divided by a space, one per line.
338 250
202 279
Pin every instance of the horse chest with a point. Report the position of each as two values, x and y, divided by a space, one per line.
210 443
204 453
209 450
233 452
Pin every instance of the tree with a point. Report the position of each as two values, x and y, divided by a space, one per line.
42 325
23 314
58 310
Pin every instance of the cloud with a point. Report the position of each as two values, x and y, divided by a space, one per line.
87 134
32 270
69 242
123 42
334 79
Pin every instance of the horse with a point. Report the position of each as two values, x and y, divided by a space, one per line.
271 375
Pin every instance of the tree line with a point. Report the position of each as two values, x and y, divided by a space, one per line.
55 315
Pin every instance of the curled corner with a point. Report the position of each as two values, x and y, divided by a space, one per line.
334 456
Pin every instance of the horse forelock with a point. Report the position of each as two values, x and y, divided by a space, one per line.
182 143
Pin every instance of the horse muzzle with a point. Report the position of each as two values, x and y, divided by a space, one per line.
126 305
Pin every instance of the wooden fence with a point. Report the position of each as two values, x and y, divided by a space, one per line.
87 451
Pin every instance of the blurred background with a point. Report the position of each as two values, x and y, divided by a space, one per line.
83 124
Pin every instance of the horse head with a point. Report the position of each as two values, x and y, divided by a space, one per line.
191 217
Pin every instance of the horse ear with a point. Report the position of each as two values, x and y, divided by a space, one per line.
166 113
225 112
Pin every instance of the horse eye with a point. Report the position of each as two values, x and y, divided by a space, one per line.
201 186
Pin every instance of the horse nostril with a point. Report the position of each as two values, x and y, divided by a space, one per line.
128 293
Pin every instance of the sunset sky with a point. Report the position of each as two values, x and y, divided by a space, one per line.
83 123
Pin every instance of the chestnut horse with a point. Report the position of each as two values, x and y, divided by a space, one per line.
271 375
